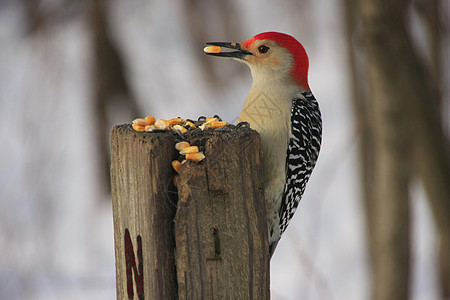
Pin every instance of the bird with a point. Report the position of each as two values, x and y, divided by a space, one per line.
282 109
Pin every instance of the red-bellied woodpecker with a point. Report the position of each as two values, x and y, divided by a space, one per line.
281 107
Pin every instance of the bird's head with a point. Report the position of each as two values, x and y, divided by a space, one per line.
270 56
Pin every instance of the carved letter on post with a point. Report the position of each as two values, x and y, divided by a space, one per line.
131 266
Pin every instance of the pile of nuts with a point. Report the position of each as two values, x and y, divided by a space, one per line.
149 124
180 126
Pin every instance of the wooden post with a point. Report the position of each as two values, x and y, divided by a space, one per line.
143 214
220 225
220 228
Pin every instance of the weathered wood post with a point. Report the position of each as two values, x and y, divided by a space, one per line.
143 214
220 225
220 230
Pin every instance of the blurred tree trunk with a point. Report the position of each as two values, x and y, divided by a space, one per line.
429 11
382 125
111 86
382 22
405 129
110 81
360 103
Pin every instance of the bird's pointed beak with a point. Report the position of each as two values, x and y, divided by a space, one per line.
215 49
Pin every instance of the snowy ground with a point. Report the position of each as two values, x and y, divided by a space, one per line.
56 232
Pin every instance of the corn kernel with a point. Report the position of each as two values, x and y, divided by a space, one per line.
181 145
216 125
162 124
209 120
175 181
190 124
212 49
179 128
138 128
199 156
141 122
191 149
149 128
150 119
205 126
176 165
175 121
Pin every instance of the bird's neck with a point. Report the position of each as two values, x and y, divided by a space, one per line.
278 90
270 99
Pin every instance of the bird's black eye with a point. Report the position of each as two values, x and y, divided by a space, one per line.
263 49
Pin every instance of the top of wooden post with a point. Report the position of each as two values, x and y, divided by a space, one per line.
219 237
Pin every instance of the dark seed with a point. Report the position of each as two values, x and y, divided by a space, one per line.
156 130
242 124
179 133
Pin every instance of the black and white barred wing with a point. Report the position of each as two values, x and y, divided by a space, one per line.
302 153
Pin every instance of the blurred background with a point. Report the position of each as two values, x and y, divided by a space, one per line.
377 203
